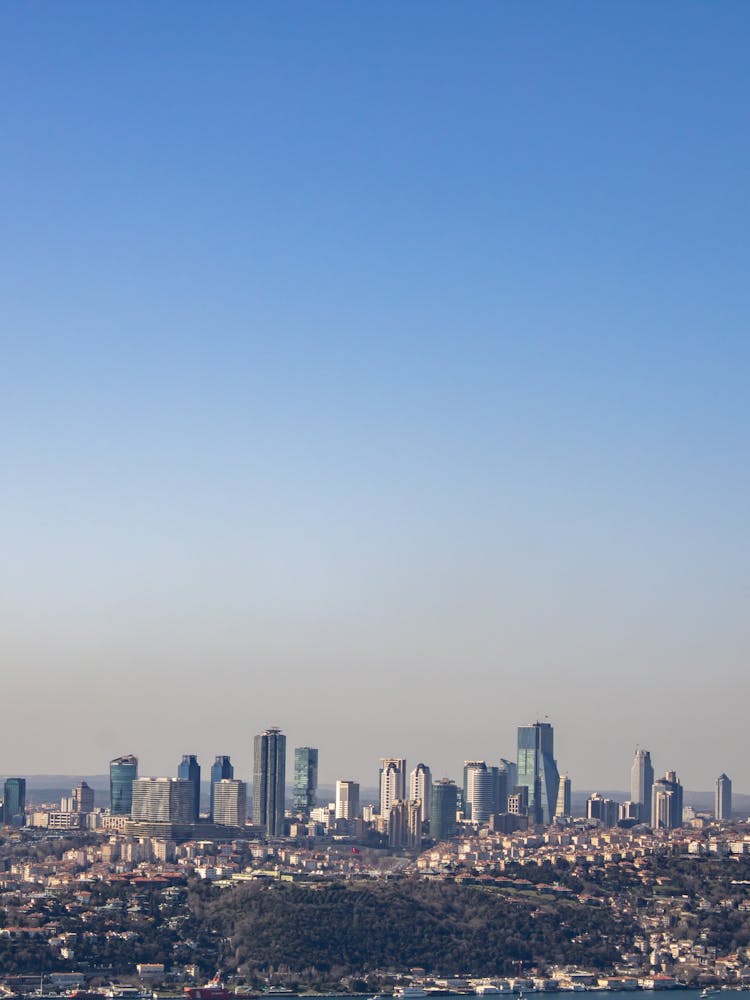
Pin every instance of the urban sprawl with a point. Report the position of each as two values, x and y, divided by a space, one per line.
91 895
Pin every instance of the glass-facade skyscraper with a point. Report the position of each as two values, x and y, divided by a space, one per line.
14 801
666 802
305 778
723 807
221 770
269 777
443 809
190 770
122 773
641 784
537 770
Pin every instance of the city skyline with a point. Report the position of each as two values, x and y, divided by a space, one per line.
385 366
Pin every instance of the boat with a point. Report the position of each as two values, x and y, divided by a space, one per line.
214 989
709 991
409 992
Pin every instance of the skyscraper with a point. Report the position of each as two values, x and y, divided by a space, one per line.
723 807
347 800
122 773
443 809
269 777
479 791
666 802
163 800
190 770
537 769
607 811
14 802
230 802
563 807
392 783
83 798
305 778
221 770
641 784
420 790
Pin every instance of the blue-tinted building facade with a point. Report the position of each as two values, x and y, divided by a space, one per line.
190 770
537 770
122 773
14 801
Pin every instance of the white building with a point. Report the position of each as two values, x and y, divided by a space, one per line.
392 783
230 802
420 789
347 800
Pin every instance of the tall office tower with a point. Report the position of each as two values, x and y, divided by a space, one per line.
563 807
190 770
305 778
420 789
83 798
122 773
666 802
347 800
230 802
723 807
163 800
641 784
443 809
508 779
14 802
404 824
479 797
392 783
605 810
269 777
537 769
221 770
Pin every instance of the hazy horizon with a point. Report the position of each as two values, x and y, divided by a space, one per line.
379 372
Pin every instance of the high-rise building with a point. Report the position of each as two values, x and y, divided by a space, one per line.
563 807
641 784
420 789
14 802
83 798
507 781
347 800
629 812
221 770
404 824
723 807
666 802
537 770
190 770
230 802
122 773
392 783
479 791
518 801
443 809
163 800
305 778
269 778
604 810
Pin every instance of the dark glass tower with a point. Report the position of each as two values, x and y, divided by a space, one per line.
122 773
269 776
641 784
220 770
537 769
190 770
305 778
443 809
14 801
723 807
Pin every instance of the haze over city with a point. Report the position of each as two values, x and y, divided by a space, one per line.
379 372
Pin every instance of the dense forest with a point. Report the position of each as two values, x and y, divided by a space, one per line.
328 932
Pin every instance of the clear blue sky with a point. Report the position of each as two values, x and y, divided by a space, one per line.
378 371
